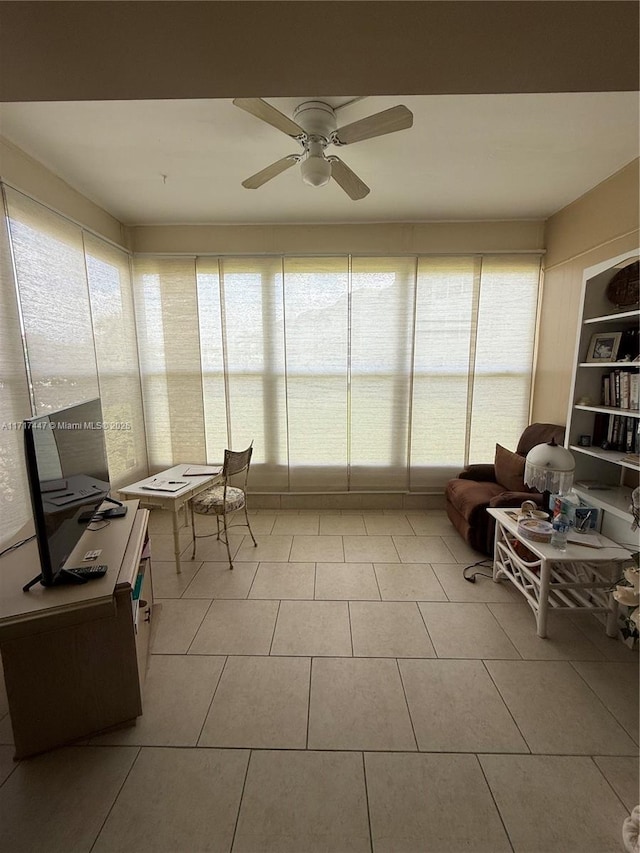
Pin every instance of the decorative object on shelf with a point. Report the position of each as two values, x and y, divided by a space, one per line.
624 288
584 441
549 468
604 346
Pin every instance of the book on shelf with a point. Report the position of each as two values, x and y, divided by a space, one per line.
634 391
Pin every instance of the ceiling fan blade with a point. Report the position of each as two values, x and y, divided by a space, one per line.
262 110
269 172
388 121
348 180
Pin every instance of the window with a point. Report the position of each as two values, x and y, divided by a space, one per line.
348 373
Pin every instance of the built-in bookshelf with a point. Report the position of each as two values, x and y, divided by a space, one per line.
603 422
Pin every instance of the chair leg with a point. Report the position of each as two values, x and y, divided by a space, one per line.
226 538
255 544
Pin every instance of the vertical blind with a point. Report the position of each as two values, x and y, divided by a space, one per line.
348 373
76 301
15 510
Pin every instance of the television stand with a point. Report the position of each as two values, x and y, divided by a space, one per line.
75 656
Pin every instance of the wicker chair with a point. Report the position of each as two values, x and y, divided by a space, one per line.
224 499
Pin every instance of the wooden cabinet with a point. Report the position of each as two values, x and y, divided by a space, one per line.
75 657
603 421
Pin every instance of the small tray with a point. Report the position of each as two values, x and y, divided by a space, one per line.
535 529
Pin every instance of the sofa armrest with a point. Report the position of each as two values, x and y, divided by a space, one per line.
482 473
513 499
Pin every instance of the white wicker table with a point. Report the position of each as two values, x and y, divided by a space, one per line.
579 578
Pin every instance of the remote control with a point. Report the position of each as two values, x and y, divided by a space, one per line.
90 572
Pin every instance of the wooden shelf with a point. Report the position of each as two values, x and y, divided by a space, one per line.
613 318
609 410
617 457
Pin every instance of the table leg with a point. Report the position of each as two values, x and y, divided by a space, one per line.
543 599
176 539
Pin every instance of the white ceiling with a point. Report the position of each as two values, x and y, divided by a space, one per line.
467 157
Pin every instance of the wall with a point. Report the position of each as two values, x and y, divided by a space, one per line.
92 51
601 224
29 176
377 239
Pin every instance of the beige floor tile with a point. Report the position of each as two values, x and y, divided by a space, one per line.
563 641
177 625
185 800
377 524
358 703
312 628
455 707
341 525
297 524
217 580
365 549
438 803
408 582
275 549
616 685
388 629
167 583
284 580
422 549
38 811
483 590
621 772
611 647
325 549
162 545
236 628
213 550
177 693
261 702
7 764
6 732
346 582
462 553
430 524
303 802
556 711
554 804
465 630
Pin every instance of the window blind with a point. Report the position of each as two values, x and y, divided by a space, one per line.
349 373
77 308
15 507
170 364
114 336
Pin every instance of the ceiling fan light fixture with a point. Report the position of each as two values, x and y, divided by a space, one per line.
315 170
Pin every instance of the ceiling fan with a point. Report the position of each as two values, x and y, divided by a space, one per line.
314 127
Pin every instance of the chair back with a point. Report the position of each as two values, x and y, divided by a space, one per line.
237 461
539 434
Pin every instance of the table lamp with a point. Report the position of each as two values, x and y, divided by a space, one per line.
549 468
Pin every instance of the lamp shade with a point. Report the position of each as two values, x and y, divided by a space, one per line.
316 171
549 468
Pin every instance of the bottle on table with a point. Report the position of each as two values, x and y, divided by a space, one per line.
561 524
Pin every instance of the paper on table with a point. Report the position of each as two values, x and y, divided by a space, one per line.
589 540
165 485
200 471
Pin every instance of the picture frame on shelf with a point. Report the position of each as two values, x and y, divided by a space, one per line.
604 346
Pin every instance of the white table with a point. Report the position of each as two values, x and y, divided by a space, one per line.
172 501
579 578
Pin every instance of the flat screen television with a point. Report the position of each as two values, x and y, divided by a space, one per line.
68 480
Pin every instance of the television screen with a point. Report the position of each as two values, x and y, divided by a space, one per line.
68 479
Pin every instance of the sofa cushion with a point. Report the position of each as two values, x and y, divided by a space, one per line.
470 498
510 470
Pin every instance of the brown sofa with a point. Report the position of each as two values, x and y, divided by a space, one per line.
469 494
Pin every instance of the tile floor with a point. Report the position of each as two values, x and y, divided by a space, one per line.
344 689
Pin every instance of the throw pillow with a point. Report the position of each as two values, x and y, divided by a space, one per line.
510 470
